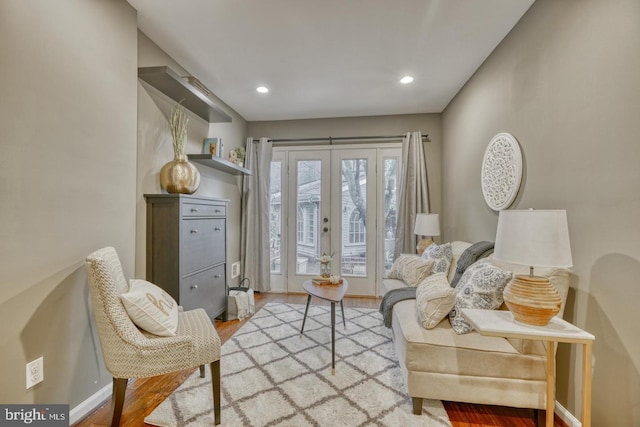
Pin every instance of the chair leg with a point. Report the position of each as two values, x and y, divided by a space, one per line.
117 400
201 371
215 380
417 405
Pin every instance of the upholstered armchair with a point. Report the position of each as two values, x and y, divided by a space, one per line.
130 352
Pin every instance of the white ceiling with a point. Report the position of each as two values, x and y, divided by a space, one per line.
330 58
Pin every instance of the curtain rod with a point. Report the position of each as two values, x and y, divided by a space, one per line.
341 139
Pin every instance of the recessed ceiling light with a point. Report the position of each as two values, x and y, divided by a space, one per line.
262 89
406 80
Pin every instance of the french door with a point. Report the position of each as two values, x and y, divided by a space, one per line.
333 201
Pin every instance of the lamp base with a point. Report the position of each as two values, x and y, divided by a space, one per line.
532 300
422 245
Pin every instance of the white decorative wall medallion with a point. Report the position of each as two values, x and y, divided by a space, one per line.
501 171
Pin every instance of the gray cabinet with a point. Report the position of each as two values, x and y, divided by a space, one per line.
187 249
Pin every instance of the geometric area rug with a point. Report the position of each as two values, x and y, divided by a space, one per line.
272 376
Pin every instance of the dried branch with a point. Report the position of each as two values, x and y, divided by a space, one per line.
178 126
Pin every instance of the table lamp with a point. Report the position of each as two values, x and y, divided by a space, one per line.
426 225
537 238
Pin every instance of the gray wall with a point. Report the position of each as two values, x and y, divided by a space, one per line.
155 149
68 168
365 126
566 83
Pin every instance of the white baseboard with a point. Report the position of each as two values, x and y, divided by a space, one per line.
566 416
90 404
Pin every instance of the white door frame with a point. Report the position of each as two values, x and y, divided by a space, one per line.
358 284
279 279
294 279
384 153
286 280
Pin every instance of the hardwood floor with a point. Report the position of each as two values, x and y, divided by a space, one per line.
143 395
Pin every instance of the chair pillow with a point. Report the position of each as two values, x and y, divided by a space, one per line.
411 268
434 300
441 256
480 287
151 308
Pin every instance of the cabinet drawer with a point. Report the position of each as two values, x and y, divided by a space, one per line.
206 289
202 243
197 210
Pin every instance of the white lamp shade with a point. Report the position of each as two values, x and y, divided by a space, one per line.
427 225
537 238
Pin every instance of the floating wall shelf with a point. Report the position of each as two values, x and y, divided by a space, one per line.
175 87
215 162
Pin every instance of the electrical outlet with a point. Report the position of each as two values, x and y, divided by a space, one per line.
235 269
35 372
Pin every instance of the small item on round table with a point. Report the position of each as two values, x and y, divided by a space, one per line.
327 281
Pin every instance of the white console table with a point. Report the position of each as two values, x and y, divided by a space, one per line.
499 323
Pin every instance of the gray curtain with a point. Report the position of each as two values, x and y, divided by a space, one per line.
414 193
254 244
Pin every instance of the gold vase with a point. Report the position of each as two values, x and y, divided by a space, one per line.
532 300
180 176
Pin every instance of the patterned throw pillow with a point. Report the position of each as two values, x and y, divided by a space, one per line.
434 300
480 287
441 255
151 308
411 268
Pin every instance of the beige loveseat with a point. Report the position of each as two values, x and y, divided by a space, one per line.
439 364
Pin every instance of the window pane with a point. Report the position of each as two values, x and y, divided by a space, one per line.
356 228
308 199
310 225
390 210
275 206
354 215
300 226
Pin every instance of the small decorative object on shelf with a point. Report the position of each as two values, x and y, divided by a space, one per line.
179 175
237 156
212 146
325 265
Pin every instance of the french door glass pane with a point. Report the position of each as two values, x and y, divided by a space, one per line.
390 210
275 209
308 226
354 217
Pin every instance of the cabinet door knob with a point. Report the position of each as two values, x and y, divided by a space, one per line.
217 276
218 211
194 210
217 229
194 286
194 231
